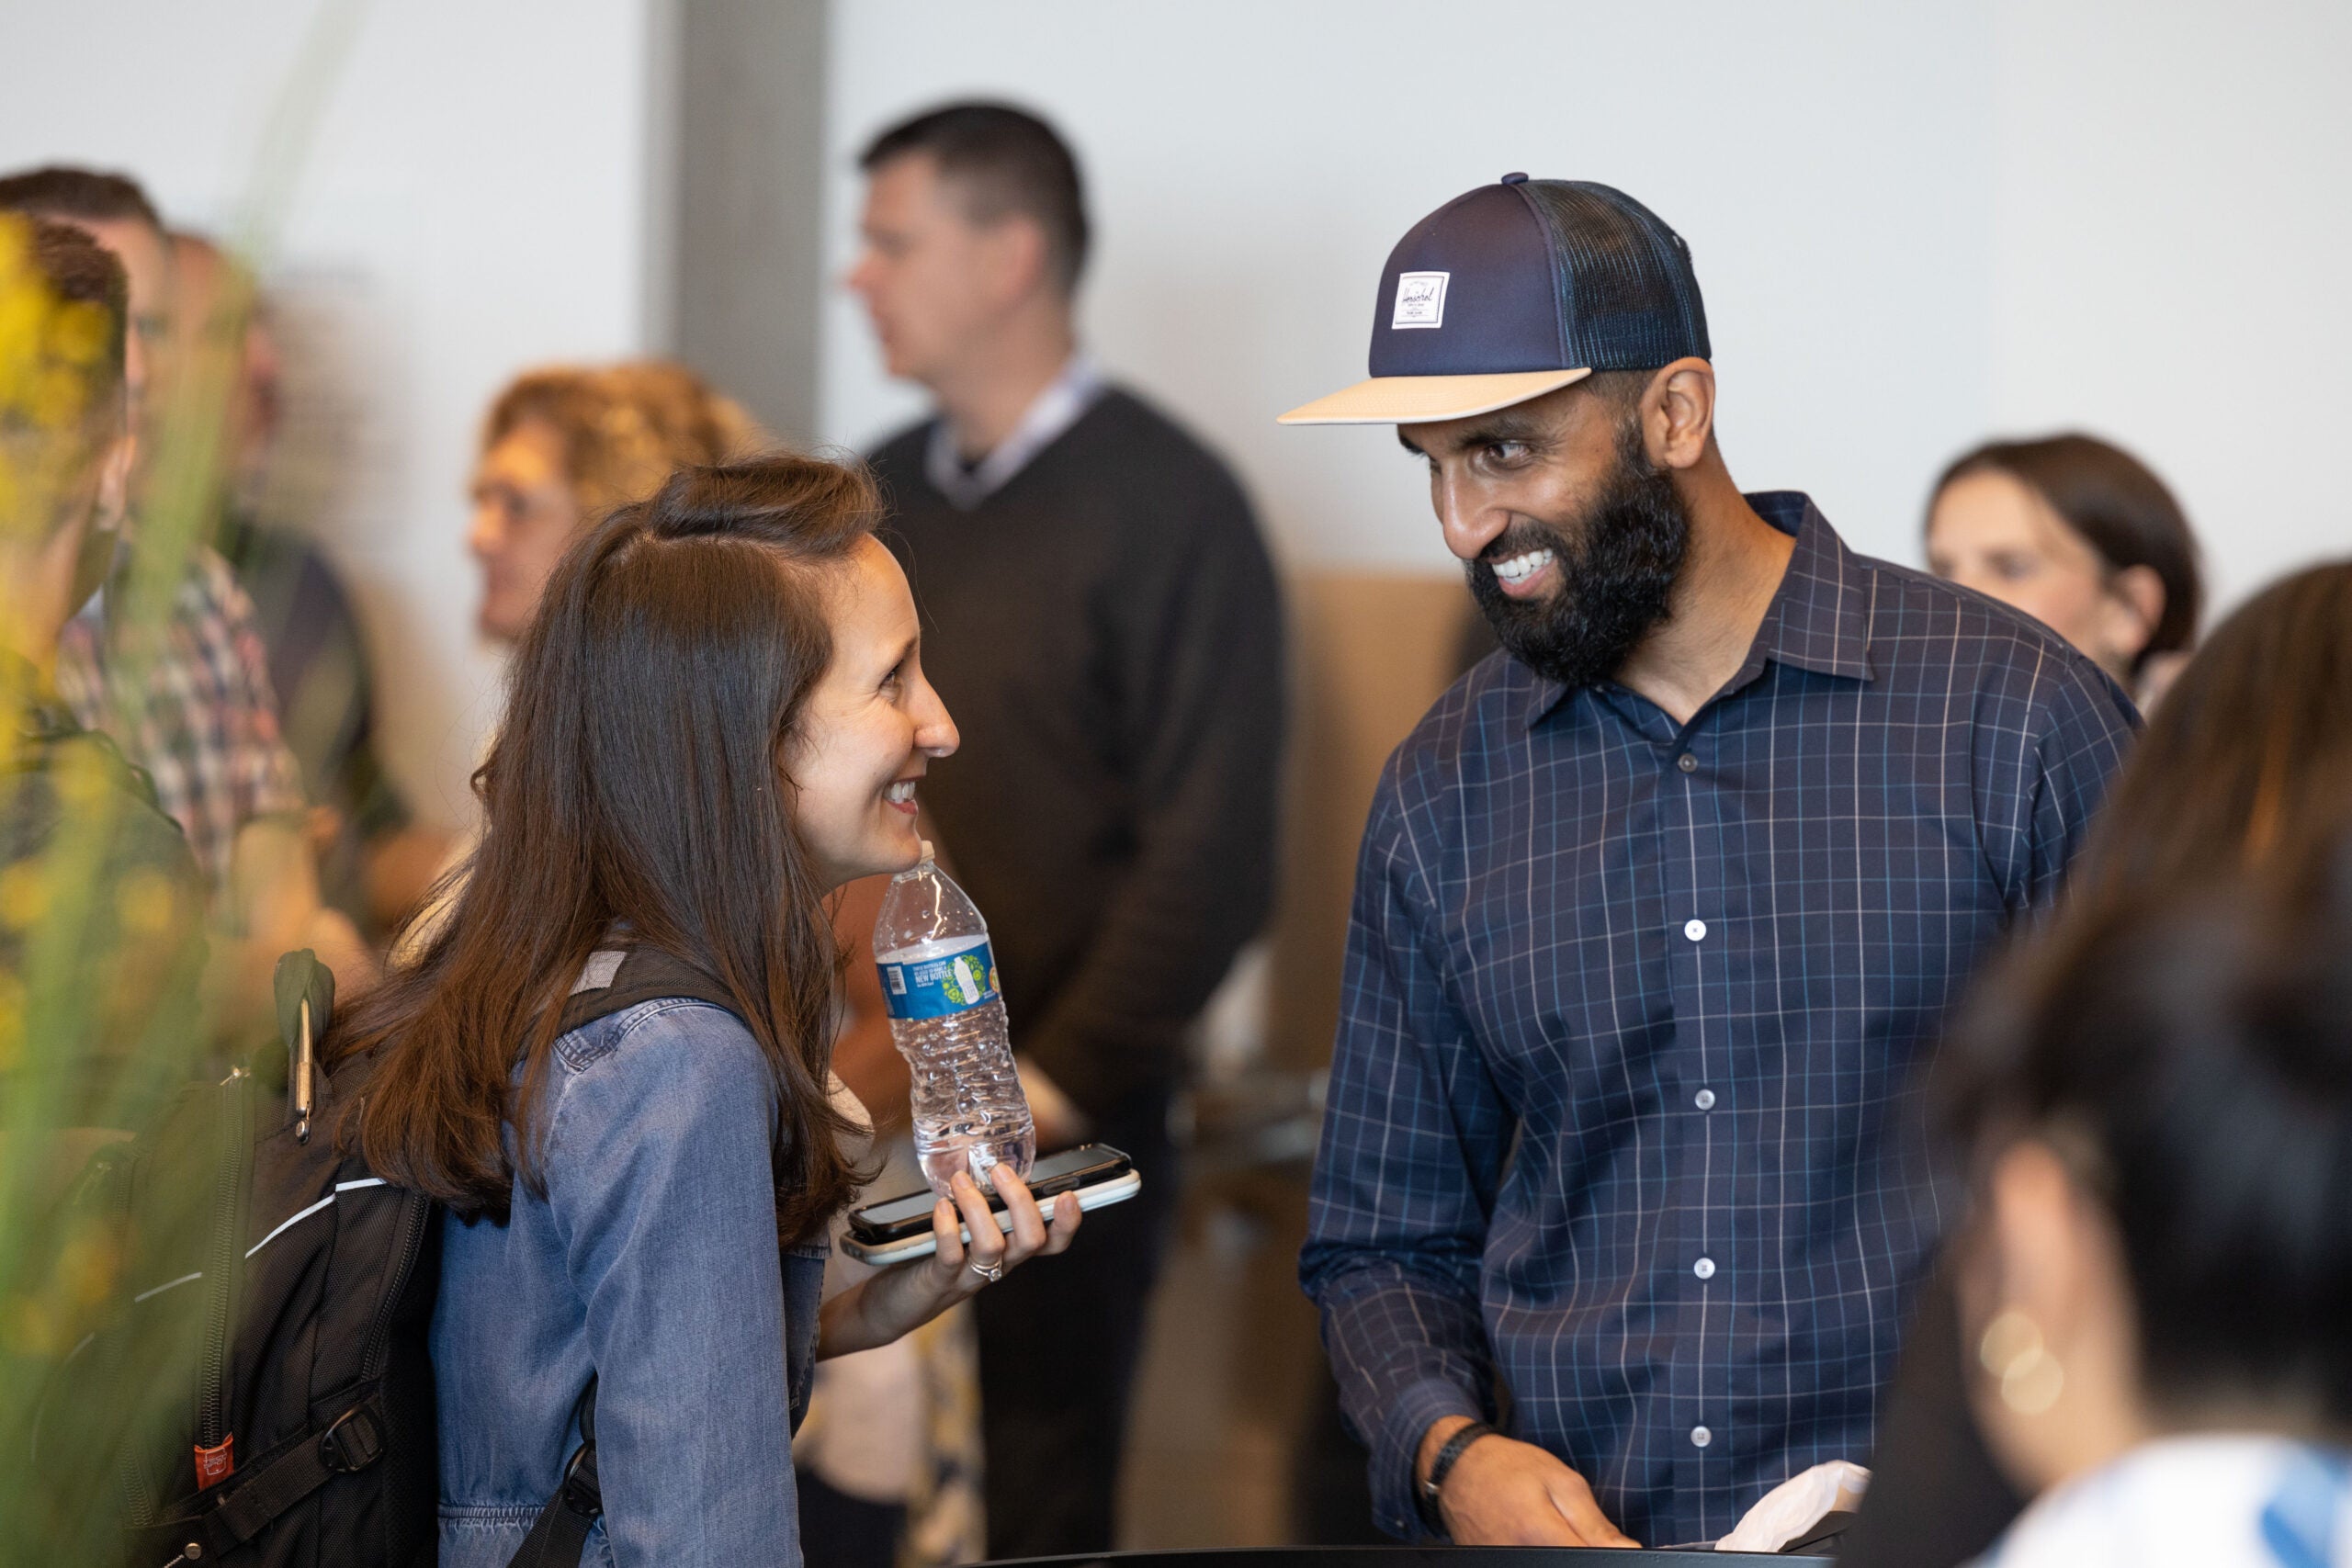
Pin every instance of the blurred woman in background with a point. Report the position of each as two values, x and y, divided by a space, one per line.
560 447
563 446
2247 765
2083 537
2158 1282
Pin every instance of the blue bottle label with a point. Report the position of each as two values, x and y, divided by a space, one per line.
933 987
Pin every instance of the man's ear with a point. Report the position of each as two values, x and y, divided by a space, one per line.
97 539
114 468
1677 414
1017 261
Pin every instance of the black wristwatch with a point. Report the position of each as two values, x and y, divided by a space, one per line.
1443 1466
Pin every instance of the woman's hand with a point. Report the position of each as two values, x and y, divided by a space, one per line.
896 1299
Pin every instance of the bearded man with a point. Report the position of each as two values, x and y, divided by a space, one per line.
1658 911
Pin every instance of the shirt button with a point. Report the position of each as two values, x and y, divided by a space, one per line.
1687 763
1704 1267
1696 931
1701 1436
1704 1100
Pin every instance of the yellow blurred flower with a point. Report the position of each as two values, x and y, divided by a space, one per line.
146 902
24 894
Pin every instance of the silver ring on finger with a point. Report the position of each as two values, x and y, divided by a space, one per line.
991 1272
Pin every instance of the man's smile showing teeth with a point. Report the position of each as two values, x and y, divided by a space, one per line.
1519 569
901 792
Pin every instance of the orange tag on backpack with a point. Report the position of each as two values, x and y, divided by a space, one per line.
217 1464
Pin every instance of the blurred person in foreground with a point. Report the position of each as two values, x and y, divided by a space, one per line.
101 903
2082 536
1657 911
186 692
1105 617
2246 764
375 859
2156 1290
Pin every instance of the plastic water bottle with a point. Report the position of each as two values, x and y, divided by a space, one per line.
947 1020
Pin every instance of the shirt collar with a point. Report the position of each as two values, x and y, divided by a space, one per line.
1053 410
1819 617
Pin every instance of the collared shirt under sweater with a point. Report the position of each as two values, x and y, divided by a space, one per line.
1106 628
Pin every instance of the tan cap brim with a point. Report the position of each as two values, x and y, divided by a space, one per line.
1418 400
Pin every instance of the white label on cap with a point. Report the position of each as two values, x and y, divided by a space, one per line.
1420 299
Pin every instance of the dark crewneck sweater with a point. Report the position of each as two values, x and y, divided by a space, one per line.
1107 630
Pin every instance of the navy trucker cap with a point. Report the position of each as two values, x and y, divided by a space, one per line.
1512 290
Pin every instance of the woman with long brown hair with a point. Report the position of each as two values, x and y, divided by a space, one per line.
718 716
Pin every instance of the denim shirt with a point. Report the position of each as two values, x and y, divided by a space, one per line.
651 1263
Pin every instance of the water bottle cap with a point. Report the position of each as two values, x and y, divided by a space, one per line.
926 852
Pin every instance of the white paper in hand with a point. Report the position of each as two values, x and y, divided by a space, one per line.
1796 1505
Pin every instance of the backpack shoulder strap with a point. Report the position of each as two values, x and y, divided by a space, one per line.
560 1535
641 974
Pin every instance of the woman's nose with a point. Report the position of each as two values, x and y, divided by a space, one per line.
483 533
936 727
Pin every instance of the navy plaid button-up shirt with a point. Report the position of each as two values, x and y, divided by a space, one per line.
1622 1117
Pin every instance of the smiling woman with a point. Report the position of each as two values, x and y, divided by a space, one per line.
718 714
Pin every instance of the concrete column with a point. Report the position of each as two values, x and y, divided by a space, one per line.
737 287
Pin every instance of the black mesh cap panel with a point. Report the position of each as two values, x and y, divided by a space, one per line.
1628 297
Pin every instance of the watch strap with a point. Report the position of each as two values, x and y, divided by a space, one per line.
1448 1454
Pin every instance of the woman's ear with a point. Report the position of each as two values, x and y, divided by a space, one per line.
2051 1323
2030 1222
2135 607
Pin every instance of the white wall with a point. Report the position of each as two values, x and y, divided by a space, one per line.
474 200
1915 224
2173 224
1251 166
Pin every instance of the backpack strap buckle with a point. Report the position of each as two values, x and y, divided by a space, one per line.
581 1491
353 1442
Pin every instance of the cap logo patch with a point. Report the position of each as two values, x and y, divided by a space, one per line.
1420 299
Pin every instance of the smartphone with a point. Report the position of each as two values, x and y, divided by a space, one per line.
896 1229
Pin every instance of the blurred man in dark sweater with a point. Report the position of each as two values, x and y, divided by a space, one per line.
1104 620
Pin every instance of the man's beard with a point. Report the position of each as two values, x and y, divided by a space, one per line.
1617 565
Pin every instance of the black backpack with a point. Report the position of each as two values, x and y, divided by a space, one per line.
300 1305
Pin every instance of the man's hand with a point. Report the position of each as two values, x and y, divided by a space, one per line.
1501 1492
